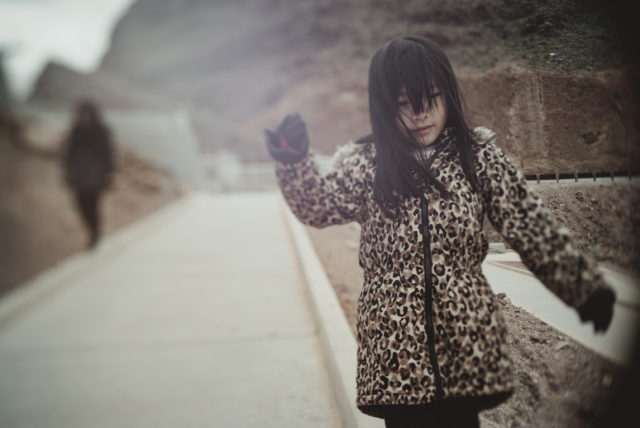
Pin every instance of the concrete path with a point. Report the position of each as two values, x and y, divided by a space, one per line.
196 317
524 290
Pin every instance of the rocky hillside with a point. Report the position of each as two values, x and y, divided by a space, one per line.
553 78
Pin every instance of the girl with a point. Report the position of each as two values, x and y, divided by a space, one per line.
431 340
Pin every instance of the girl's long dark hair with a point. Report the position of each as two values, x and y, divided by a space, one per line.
420 66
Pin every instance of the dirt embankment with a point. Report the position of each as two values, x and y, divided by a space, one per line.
550 121
559 382
39 225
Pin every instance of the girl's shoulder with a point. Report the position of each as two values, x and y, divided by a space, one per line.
487 153
484 142
483 136
353 153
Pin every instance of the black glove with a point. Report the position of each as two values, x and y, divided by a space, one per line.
598 308
289 142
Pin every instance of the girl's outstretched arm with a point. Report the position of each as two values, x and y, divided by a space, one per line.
519 215
316 199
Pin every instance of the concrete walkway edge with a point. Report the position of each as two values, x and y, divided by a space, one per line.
336 338
53 280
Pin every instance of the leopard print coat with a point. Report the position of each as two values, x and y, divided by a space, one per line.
428 326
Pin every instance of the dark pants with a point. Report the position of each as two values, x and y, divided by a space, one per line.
445 414
87 202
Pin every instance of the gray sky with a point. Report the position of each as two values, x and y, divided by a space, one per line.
73 32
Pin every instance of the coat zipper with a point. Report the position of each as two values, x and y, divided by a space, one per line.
426 239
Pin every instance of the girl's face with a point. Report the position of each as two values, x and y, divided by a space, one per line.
425 126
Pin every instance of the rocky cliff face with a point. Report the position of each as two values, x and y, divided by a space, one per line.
551 121
549 77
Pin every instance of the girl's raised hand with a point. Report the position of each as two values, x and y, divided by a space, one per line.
289 142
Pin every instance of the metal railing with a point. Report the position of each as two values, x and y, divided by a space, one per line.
585 177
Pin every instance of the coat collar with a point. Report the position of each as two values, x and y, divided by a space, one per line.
446 136
442 142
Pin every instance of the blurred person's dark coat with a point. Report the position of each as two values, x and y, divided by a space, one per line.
4 87
89 165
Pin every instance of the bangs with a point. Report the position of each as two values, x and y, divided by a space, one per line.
415 70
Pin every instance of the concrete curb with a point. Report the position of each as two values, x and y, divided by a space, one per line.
338 344
53 280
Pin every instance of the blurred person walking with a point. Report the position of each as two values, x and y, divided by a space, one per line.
89 165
